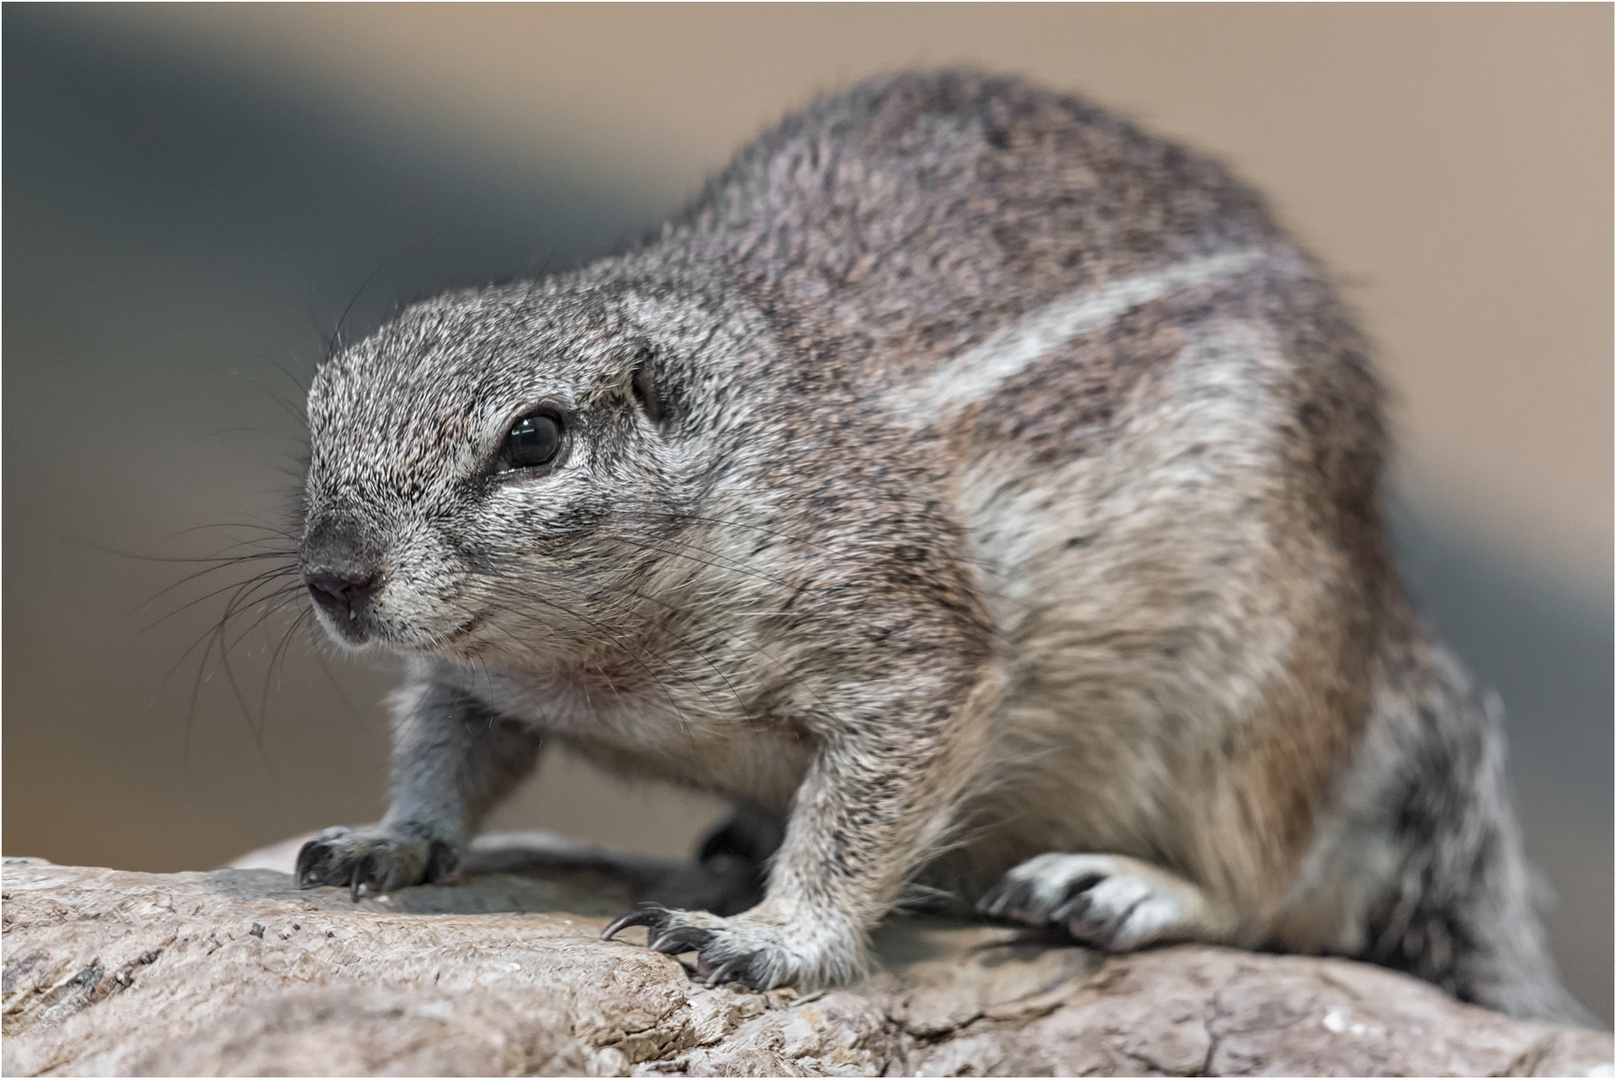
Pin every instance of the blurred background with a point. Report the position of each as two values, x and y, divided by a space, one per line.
197 197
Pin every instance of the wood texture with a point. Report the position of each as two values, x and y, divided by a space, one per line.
236 972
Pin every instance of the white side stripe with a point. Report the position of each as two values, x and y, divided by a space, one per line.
973 374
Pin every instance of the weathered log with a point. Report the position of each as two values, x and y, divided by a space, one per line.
237 971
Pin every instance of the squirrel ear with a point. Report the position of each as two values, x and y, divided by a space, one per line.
645 388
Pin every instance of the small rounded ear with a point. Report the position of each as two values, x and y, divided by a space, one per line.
644 385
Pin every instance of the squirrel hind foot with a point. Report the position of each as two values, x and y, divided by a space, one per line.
1110 902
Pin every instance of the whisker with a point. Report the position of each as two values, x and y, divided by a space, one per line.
336 333
279 655
235 688
206 636
332 679
260 579
222 560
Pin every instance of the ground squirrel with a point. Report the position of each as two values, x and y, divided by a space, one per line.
983 486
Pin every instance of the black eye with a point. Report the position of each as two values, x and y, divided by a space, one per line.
533 441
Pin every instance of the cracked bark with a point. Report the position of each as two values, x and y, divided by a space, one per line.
236 971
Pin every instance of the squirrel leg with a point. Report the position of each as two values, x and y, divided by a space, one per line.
1112 902
452 762
879 797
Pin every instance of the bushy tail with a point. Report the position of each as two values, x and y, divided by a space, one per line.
1462 911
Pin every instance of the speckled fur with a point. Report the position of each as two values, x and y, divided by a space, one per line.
1012 493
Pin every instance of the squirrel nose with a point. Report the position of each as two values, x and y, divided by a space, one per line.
340 569
343 592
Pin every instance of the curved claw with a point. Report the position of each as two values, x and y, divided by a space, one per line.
305 866
718 974
1076 908
314 865
993 902
1005 898
645 915
354 882
680 939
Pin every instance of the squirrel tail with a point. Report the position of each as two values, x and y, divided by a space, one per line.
1462 909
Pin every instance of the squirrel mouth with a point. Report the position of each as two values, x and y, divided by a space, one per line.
349 628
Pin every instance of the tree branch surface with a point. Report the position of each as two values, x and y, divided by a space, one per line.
236 971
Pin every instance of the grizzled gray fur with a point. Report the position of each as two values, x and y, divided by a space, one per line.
977 484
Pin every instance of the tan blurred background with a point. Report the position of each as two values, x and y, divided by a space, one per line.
194 194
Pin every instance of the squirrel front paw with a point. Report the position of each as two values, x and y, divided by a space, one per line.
374 859
748 948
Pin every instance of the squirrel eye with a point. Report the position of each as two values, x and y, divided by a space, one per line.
532 442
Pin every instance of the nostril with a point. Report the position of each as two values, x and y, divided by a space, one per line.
342 592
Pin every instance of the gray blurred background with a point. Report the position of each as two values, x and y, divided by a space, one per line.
195 196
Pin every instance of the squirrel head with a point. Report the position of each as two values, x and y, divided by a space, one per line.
492 470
